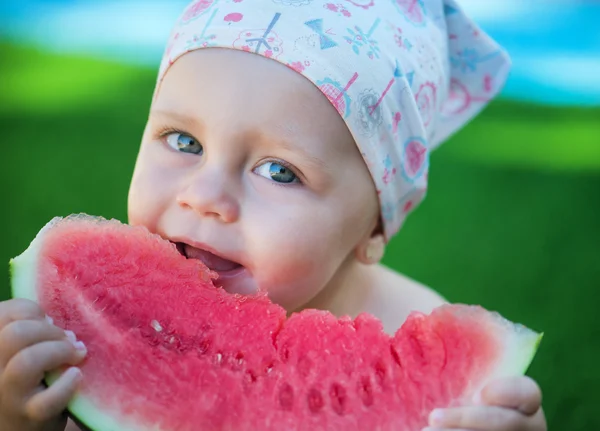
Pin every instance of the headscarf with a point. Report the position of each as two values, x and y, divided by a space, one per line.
403 74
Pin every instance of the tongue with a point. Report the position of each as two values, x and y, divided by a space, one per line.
213 262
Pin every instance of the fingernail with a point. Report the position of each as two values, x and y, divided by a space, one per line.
436 417
49 320
477 398
71 336
74 374
80 346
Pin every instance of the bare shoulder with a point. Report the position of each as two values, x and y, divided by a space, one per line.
416 295
399 295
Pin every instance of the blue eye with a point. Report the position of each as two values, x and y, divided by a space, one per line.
277 172
184 143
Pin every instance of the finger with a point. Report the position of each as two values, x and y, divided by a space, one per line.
26 369
20 334
519 393
488 418
538 420
51 402
19 309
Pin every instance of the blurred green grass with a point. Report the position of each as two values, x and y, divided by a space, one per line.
512 220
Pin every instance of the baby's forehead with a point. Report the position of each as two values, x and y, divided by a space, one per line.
252 96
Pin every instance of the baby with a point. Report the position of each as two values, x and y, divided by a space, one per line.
286 143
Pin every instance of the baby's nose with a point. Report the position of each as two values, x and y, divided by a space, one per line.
210 198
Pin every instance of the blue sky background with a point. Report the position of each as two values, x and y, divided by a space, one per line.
554 44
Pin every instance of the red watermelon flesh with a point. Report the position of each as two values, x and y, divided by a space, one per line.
167 350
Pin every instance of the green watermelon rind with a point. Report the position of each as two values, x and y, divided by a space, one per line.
521 343
23 285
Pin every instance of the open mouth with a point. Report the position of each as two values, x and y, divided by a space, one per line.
215 263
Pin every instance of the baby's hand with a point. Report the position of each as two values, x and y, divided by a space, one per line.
29 346
512 404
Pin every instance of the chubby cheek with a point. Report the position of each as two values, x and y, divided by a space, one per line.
148 192
296 264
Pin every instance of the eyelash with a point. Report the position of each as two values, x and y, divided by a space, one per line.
164 131
287 166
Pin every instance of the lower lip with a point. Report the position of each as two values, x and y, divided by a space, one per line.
230 273
237 281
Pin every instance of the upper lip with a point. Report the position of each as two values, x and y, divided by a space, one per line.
231 256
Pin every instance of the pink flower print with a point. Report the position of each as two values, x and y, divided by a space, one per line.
459 98
365 4
337 94
408 206
196 9
388 175
298 66
390 170
426 102
413 10
397 118
268 53
487 83
415 156
233 17
398 39
246 48
338 8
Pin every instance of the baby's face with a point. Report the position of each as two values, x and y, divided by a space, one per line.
246 166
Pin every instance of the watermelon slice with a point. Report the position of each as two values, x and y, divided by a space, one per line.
169 351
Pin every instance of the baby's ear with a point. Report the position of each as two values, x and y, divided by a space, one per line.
371 249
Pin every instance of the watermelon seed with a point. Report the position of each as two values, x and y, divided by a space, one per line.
250 376
286 397
204 346
337 393
380 373
269 366
365 391
396 356
150 336
156 326
219 358
315 400
239 357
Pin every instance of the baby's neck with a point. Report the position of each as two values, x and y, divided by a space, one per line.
350 291
376 290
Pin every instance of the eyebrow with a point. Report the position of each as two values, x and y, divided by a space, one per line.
181 118
315 162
